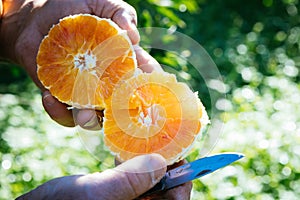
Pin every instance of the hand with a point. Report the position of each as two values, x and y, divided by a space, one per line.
26 22
127 181
181 192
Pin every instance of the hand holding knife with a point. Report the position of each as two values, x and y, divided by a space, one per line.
193 170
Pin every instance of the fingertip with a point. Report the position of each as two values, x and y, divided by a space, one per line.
149 163
142 172
133 35
127 21
57 111
156 159
48 99
88 119
145 61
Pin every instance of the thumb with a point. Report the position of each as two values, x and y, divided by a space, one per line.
132 178
57 110
141 173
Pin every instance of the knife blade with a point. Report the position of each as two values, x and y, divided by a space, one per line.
194 170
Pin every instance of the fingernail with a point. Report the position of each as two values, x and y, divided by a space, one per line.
48 98
158 165
91 123
88 119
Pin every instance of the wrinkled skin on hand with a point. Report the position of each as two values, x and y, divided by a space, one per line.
181 192
127 181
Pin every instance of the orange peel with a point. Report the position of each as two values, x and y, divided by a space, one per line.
89 62
82 58
153 113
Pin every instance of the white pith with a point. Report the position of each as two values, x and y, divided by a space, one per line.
89 60
149 117
85 61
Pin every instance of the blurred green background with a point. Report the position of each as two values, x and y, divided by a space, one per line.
256 47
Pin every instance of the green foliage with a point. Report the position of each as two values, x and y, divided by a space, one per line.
256 47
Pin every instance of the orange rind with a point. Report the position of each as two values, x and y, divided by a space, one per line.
153 113
89 62
82 58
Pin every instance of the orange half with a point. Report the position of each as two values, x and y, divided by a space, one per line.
153 113
82 58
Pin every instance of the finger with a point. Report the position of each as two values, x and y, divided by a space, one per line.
57 111
126 20
182 192
177 164
145 61
130 179
120 12
89 119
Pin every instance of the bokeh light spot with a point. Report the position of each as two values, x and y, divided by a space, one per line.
182 8
6 164
242 49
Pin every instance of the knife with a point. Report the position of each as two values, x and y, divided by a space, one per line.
193 170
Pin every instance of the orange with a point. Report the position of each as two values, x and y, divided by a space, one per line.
89 62
153 113
82 58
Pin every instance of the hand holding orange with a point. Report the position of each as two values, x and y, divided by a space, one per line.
82 58
89 62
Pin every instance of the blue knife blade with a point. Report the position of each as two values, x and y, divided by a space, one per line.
193 170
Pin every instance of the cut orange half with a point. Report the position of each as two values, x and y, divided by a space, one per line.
82 58
153 113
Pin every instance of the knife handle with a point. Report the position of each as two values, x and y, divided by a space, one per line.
161 185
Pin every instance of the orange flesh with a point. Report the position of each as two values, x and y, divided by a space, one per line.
148 117
88 62
82 58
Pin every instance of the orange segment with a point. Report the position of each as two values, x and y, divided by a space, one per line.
89 62
63 86
152 113
57 55
82 58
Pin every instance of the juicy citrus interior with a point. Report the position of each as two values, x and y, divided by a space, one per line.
82 58
89 62
152 113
